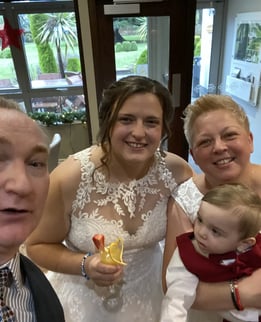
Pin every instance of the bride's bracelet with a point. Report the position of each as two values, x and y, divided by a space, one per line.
84 274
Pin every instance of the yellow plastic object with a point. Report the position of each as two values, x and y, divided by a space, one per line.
112 254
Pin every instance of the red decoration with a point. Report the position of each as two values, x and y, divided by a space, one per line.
10 36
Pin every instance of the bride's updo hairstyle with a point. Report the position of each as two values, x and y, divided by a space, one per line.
113 99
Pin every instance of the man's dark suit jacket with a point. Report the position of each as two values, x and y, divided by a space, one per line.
47 305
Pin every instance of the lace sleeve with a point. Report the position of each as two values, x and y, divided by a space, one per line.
188 197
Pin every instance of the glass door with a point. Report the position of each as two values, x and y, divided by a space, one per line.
156 40
142 47
207 47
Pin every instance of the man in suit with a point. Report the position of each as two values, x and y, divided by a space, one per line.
24 182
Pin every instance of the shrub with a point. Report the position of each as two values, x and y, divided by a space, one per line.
143 59
47 60
118 47
74 65
197 45
6 53
126 46
134 46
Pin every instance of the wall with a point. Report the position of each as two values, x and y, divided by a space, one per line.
254 112
74 137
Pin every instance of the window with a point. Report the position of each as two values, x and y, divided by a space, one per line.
40 64
207 47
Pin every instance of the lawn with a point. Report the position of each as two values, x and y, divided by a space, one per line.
128 59
124 60
7 69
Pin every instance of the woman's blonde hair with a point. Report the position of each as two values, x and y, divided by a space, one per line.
242 202
208 103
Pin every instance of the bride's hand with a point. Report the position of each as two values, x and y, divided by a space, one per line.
103 274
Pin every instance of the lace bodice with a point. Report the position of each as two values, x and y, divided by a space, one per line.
107 207
189 197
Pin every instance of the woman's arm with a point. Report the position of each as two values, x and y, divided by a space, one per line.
216 296
177 223
45 245
250 290
213 296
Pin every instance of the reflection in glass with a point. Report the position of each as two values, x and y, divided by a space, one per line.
58 104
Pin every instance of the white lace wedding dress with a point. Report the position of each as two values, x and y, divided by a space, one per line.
142 205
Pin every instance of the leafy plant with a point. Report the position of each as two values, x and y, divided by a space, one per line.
51 118
6 53
134 46
126 46
143 59
143 28
197 45
46 57
118 47
59 29
73 65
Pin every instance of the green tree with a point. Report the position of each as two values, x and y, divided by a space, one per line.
59 30
143 28
143 59
47 61
197 45
74 65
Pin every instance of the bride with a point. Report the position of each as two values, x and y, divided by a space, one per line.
119 188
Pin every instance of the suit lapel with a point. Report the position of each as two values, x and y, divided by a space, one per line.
46 303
